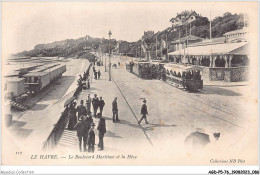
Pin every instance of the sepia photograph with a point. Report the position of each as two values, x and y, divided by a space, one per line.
129 83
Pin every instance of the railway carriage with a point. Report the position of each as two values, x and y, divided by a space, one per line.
38 79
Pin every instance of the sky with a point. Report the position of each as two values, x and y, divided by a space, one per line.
25 24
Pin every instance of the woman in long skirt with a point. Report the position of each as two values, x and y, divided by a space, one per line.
72 117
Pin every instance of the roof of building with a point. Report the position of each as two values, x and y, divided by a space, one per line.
241 50
11 73
211 41
216 49
14 79
243 30
190 37
185 14
37 74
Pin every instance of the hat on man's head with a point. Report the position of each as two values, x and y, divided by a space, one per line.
144 101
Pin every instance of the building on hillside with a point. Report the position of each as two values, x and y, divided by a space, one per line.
147 35
235 36
184 18
185 42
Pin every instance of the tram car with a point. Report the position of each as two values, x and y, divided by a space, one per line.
39 78
156 67
187 76
129 66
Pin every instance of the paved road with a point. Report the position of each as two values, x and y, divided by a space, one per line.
174 113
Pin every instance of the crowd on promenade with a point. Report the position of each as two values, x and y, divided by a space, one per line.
81 115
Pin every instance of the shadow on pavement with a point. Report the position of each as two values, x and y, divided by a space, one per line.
62 85
124 122
111 134
38 107
18 124
218 91
16 129
153 125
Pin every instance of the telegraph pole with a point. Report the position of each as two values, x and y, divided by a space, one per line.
156 47
109 55
167 47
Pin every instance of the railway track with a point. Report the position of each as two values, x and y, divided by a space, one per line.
133 113
207 104
196 100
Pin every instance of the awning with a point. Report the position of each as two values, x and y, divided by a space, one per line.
181 68
217 49
244 50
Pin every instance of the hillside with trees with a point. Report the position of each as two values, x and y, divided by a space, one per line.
81 46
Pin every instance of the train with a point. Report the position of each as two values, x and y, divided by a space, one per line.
33 81
189 77
36 80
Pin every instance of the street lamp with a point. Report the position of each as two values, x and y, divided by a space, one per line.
109 55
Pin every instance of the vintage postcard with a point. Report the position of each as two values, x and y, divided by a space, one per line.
129 83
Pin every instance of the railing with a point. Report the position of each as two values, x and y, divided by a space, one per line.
55 135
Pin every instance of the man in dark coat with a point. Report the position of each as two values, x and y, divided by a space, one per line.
81 109
95 73
91 139
95 103
99 74
88 121
88 104
102 130
115 110
144 112
81 128
101 105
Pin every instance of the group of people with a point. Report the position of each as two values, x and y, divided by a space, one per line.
190 74
96 103
82 80
97 74
80 118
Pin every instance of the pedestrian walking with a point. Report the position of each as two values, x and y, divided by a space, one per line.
115 110
81 128
144 112
88 83
96 75
101 105
88 104
91 139
81 109
102 130
94 69
95 103
99 74
80 85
